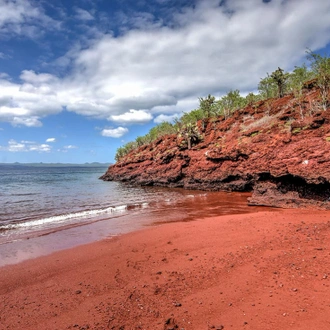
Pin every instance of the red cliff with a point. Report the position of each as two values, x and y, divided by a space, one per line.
279 149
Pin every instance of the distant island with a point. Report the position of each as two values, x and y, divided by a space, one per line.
41 164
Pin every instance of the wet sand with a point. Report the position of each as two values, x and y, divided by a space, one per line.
266 270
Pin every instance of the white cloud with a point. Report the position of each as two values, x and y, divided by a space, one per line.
25 104
83 15
70 147
66 149
28 142
161 118
133 117
4 75
50 140
24 17
25 146
29 122
114 132
29 76
14 146
40 148
162 70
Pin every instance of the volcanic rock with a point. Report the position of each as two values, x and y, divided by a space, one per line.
278 149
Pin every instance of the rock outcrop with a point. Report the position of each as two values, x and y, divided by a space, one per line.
279 149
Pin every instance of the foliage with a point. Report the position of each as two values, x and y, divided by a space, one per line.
190 134
190 117
320 66
207 106
251 98
297 78
280 78
161 129
230 103
267 87
154 133
274 85
296 83
124 150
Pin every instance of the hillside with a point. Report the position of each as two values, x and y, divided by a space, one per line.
279 149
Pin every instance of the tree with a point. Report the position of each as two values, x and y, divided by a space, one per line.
251 98
207 105
230 102
298 76
190 133
191 117
267 87
296 83
320 65
280 78
161 129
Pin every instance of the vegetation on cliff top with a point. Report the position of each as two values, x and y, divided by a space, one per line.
274 85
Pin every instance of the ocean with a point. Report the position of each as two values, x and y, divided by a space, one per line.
48 208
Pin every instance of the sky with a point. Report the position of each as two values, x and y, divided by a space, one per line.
79 78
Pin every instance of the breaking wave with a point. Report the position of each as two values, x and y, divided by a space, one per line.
63 218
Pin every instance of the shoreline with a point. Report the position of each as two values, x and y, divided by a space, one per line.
20 245
264 270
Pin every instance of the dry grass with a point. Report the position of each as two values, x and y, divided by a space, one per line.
262 122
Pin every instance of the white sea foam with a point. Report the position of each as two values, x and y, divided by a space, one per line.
56 220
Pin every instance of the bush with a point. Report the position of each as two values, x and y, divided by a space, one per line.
156 132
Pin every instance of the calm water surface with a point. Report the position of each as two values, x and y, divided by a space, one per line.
45 209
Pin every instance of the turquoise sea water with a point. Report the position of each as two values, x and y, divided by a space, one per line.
44 209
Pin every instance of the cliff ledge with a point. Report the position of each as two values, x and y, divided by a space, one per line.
277 149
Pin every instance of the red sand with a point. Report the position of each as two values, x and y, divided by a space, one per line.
268 270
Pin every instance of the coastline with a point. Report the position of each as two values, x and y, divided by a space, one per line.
48 234
265 270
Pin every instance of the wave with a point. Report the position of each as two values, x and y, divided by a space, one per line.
25 194
19 202
58 219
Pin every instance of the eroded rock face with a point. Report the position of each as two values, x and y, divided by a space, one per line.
278 149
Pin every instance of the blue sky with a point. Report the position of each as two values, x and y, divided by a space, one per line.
78 78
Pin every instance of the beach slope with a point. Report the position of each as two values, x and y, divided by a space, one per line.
267 270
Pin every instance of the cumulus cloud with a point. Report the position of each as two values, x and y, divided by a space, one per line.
114 132
133 116
22 121
26 103
30 77
158 69
50 140
161 118
25 146
40 147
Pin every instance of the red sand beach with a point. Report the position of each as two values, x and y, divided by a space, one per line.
266 270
